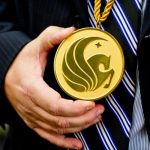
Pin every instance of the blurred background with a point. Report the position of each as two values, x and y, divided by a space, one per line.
3 135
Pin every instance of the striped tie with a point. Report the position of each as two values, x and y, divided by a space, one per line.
113 131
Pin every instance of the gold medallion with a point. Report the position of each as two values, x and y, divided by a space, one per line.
89 64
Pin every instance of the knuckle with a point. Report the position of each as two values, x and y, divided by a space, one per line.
57 96
62 122
49 28
60 131
56 109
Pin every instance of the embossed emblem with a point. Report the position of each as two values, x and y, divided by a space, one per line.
89 64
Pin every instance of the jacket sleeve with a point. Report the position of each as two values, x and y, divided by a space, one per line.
12 39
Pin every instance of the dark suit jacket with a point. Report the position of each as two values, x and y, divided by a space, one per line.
30 17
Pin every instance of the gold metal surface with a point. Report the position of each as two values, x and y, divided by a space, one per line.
89 64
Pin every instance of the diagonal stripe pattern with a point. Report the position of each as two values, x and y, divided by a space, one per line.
116 116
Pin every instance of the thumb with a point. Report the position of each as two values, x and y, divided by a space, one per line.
52 36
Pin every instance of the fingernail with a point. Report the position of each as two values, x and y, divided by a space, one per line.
100 111
101 108
99 115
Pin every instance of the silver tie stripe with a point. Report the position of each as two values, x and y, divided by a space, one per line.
131 38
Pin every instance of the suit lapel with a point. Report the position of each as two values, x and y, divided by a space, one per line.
143 61
82 10
145 18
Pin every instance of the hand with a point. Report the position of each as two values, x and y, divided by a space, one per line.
42 108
